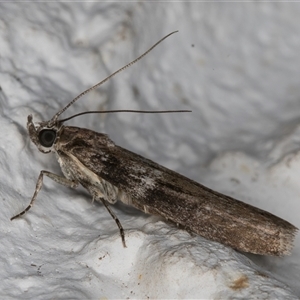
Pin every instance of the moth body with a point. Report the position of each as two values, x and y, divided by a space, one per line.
112 173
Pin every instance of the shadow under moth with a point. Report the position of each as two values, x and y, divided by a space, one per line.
112 173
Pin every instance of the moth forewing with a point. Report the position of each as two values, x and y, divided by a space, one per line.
157 190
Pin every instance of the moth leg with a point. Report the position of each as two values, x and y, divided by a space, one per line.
57 178
116 220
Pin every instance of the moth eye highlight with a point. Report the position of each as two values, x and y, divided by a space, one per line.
47 137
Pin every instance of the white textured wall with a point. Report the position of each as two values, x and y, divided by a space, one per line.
235 65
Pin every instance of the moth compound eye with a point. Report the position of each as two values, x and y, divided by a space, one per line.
47 137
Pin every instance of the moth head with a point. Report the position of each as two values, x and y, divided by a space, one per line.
44 134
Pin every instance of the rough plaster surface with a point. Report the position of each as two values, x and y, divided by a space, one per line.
235 65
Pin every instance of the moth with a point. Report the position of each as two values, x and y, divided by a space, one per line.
111 173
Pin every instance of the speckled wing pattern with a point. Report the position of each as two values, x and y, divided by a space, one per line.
155 189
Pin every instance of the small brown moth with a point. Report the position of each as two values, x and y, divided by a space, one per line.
112 173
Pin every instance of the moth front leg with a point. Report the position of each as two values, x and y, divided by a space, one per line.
57 178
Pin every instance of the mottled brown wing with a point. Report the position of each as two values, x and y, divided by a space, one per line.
158 190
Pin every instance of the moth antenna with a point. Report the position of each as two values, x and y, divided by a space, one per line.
124 110
55 117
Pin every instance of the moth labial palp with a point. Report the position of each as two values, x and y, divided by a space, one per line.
110 173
